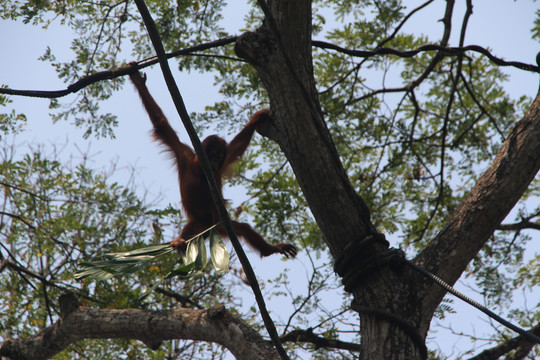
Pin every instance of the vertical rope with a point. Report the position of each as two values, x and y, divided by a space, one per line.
205 165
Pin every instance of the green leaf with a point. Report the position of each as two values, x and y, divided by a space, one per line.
218 252
202 258
95 273
156 250
191 252
182 271
121 263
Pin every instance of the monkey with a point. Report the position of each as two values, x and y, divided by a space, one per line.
194 189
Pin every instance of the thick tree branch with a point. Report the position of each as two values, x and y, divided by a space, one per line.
151 327
486 205
281 54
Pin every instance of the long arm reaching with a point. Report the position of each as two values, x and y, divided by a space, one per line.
162 129
239 144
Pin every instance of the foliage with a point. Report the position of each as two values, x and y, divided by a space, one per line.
53 219
193 261
10 122
411 153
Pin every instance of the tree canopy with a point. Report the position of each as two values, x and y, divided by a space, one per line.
387 142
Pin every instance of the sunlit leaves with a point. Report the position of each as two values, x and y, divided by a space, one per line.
218 253
122 263
193 261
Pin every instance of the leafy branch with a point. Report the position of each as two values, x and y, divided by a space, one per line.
194 261
125 70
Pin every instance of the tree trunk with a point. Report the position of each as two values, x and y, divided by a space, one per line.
284 63
395 307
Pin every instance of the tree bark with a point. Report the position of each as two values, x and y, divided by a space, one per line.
281 52
151 327
284 63
484 207
395 307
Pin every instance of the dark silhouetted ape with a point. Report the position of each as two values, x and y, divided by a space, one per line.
196 198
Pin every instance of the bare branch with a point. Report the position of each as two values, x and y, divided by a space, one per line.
448 51
524 224
405 19
183 300
518 343
319 341
151 327
6 264
114 73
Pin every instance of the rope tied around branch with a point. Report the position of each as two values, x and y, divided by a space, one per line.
355 264
358 259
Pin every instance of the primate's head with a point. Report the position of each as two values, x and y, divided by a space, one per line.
216 150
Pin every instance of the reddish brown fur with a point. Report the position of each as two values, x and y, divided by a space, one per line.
196 199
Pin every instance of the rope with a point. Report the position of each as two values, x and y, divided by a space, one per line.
526 334
355 263
205 164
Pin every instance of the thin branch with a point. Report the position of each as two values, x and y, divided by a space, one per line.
447 20
207 170
20 218
405 19
114 73
18 188
99 36
481 107
7 264
518 342
178 297
524 224
448 51
264 186
319 341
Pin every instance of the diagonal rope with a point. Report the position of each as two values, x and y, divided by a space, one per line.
526 334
